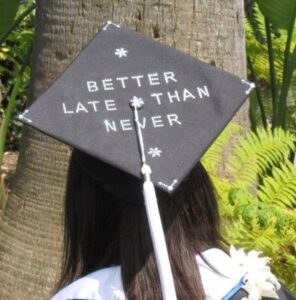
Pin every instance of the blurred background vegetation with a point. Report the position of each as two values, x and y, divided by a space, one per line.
258 187
16 39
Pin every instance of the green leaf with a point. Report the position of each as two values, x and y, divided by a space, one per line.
281 13
8 10
293 60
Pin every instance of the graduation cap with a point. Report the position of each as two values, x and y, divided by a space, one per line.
124 93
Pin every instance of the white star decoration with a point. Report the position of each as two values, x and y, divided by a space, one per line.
137 102
155 152
121 52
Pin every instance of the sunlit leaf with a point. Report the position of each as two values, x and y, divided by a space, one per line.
8 10
281 13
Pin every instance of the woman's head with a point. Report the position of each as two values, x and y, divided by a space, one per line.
102 229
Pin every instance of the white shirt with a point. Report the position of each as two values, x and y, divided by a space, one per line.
106 284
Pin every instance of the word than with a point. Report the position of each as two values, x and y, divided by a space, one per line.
181 96
158 121
150 79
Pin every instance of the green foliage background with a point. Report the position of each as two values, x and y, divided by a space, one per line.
257 195
12 55
271 52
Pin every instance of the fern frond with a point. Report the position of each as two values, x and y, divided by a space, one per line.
213 157
251 236
280 188
255 20
263 239
262 217
283 264
257 153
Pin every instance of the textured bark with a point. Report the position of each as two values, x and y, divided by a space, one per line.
31 228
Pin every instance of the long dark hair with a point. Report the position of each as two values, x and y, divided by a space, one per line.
103 230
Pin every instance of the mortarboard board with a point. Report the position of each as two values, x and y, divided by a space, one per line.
186 104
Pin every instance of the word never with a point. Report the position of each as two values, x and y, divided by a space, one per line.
154 121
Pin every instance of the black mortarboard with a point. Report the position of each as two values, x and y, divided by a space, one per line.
187 103
95 104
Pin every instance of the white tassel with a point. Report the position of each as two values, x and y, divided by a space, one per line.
159 243
154 220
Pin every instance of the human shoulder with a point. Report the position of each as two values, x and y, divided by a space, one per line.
100 285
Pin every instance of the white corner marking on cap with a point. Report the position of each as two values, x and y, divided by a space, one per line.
121 52
155 152
22 116
110 23
169 187
250 84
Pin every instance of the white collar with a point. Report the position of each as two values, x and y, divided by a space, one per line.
106 284
219 281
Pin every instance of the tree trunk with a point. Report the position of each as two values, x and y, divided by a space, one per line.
31 231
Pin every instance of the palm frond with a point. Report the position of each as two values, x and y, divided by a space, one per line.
281 14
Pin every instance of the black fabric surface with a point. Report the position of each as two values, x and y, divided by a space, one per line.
187 103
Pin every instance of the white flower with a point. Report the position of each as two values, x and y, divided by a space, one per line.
259 281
